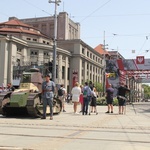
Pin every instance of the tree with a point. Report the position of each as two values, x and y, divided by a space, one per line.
98 86
146 91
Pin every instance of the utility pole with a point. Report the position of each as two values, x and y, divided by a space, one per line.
104 72
56 2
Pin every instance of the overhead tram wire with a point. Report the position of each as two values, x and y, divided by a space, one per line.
95 11
4 14
37 7
146 38
115 15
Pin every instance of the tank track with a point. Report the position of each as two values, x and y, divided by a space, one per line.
3 96
32 102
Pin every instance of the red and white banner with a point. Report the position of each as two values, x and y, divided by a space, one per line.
140 60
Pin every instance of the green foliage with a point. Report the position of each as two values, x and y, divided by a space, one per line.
115 102
146 91
98 86
101 101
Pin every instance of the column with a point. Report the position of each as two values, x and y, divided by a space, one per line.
3 61
85 71
11 54
66 72
89 71
24 57
40 58
59 69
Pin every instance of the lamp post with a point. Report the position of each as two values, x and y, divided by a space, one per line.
104 72
56 2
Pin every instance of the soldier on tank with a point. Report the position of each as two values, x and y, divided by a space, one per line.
48 88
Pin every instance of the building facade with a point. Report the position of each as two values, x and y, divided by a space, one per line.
22 46
85 61
66 28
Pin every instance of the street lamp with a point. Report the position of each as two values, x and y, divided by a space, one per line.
56 2
104 72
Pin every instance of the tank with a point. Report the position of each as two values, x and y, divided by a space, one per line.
27 100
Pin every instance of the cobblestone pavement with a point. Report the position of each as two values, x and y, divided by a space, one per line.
74 132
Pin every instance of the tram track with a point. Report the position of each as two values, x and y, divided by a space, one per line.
72 137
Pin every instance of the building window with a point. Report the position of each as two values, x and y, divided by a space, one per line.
96 59
18 49
45 53
44 28
87 66
34 52
63 72
91 68
91 55
51 30
28 39
56 71
87 54
83 50
35 26
35 40
68 76
44 42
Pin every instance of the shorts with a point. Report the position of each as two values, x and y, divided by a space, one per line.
93 102
109 101
62 98
121 102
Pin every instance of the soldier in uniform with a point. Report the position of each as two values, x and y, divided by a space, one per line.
48 88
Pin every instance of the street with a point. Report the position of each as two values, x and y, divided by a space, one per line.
71 132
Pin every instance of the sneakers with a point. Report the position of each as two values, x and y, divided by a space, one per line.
107 112
76 113
51 118
43 117
64 111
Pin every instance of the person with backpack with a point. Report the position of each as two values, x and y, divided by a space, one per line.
62 96
93 101
86 98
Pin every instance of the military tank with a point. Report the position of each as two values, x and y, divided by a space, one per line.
27 100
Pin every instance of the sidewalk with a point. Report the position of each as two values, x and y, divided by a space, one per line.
71 132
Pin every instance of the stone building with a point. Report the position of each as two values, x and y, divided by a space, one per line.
66 28
84 60
22 46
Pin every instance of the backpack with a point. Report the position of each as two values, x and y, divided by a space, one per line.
60 92
85 93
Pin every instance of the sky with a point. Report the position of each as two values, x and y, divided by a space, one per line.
126 23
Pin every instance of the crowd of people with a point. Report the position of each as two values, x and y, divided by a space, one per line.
7 88
80 94
84 95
